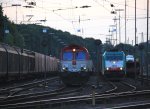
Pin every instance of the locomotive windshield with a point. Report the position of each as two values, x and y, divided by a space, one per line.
80 55
114 57
68 56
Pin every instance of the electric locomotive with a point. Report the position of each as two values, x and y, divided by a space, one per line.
75 65
129 58
132 66
113 65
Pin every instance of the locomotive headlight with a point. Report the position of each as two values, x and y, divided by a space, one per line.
65 69
84 68
107 68
114 62
121 68
74 50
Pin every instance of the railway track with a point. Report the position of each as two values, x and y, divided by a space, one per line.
72 96
133 105
121 87
133 88
80 99
118 87
31 96
113 89
10 91
56 93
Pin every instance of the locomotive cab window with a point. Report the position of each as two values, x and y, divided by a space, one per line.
114 57
80 55
68 56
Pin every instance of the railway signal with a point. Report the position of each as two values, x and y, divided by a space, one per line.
99 59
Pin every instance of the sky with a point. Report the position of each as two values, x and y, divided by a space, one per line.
95 21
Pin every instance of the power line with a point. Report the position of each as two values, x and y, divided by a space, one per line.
122 4
101 5
138 18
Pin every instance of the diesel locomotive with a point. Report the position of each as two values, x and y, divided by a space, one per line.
75 65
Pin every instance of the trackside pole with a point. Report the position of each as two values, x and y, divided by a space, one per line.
93 95
98 66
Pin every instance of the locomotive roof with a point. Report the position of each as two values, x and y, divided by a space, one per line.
113 52
75 46
130 56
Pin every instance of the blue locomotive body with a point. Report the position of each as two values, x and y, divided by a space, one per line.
113 64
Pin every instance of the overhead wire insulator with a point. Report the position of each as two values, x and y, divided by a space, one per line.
43 20
113 12
86 6
112 5
28 6
32 3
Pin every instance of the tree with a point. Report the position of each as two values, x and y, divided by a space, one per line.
18 40
9 39
1 24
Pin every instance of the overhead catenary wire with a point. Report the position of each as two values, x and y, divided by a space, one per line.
66 18
122 4
52 11
66 8
102 5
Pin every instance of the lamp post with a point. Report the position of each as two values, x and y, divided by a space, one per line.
119 24
5 31
50 34
115 21
135 44
109 39
141 48
44 44
98 66
112 35
16 9
115 12
147 47
125 28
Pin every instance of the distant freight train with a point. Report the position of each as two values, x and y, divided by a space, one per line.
113 64
75 65
18 63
